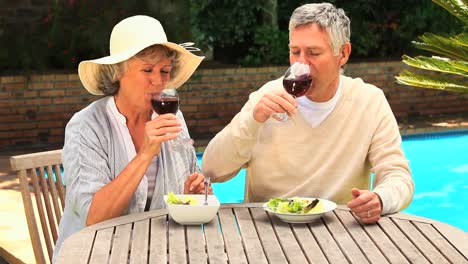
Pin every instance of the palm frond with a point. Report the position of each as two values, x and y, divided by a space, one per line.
454 52
461 39
438 64
459 8
432 82
445 46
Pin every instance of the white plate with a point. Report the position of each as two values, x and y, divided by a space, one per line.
303 218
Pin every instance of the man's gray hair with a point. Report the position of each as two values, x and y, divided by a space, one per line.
108 78
327 16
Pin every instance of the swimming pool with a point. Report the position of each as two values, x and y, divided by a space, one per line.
439 163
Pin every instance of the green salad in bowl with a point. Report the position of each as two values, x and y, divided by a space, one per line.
190 209
172 198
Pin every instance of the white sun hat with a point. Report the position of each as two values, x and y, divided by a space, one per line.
131 36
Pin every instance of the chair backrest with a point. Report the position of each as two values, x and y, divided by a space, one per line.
40 180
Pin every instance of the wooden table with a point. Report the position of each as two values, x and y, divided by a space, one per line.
245 233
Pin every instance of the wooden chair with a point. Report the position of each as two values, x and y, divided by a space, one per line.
40 174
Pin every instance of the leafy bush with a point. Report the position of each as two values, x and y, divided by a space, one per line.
71 31
269 47
380 29
242 32
384 29
228 26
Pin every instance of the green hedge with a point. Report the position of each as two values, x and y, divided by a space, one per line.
238 31
379 29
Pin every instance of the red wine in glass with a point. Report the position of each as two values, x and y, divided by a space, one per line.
296 82
297 86
165 105
167 102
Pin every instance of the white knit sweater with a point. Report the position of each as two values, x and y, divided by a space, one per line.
359 136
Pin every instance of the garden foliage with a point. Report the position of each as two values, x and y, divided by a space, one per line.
241 32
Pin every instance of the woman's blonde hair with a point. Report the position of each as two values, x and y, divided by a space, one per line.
108 78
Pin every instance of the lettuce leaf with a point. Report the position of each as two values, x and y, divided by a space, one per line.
295 205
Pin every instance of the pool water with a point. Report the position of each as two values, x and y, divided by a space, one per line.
439 164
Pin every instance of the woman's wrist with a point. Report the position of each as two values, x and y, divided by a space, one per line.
144 157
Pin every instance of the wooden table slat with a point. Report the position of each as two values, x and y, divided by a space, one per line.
348 246
411 252
102 246
426 248
384 244
78 249
455 236
249 235
328 245
196 244
158 240
308 244
232 239
214 242
128 219
290 245
177 251
120 245
245 233
270 243
139 248
439 241
360 237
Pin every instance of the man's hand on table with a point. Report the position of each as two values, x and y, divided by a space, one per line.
366 205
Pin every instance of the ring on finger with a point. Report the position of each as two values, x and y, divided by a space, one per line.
368 213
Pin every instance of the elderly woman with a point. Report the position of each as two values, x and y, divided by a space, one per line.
116 155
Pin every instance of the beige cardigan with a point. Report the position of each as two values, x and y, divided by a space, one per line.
359 136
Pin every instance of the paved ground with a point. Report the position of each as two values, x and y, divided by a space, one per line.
15 245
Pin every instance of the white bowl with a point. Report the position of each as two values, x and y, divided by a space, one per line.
193 214
303 218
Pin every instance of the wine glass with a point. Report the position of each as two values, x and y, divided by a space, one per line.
296 82
167 101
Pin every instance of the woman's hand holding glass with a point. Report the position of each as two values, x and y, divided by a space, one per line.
161 129
165 102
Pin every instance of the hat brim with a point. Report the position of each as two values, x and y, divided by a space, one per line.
189 62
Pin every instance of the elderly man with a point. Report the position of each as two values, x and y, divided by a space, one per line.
337 134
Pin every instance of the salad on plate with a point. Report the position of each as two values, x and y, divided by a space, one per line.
295 205
299 209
